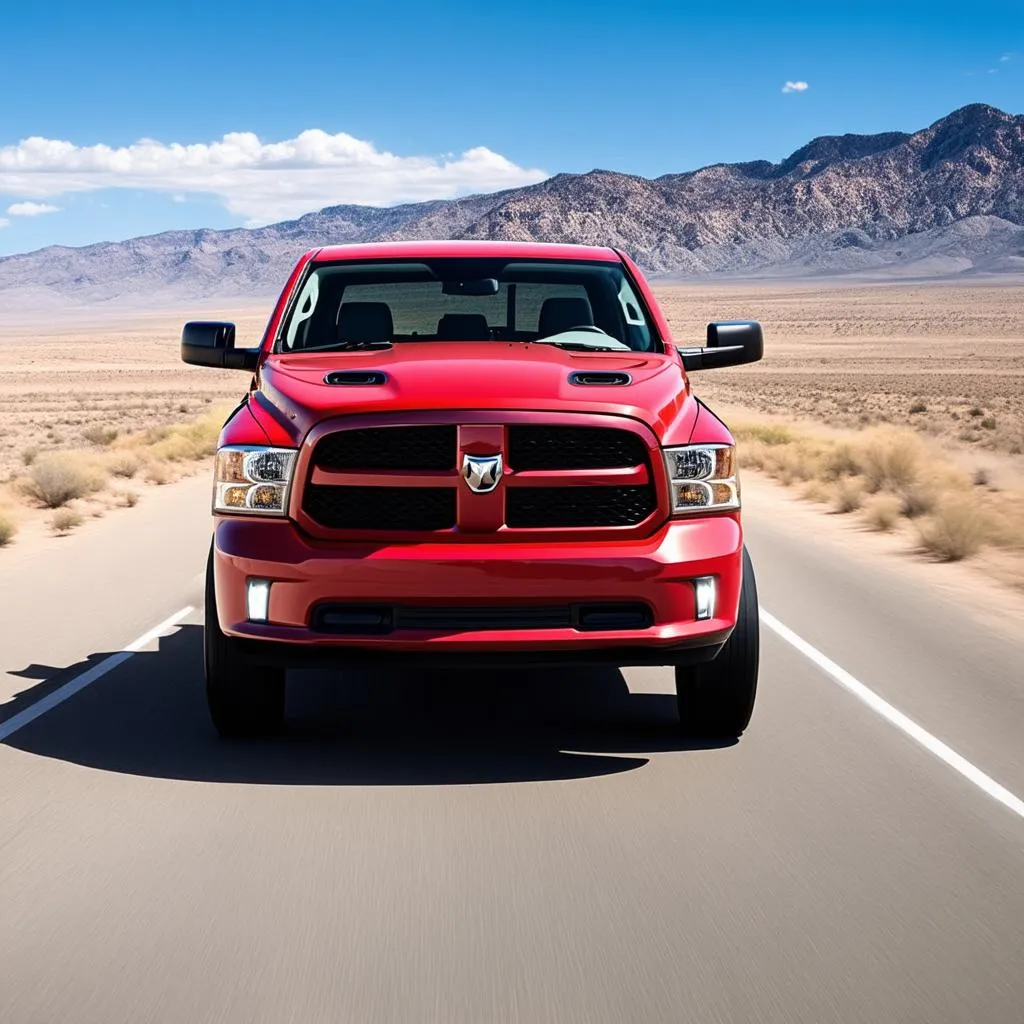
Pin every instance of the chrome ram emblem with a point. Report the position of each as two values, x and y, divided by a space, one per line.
481 472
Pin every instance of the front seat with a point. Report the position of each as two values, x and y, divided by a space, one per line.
365 323
558 315
463 327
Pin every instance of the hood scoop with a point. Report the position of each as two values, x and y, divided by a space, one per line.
356 378
600 378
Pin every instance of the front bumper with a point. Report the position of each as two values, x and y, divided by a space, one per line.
656 571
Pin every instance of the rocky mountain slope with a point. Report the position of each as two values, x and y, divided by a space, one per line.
948 199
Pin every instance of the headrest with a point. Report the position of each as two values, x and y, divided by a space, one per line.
463 327
365 322
557 315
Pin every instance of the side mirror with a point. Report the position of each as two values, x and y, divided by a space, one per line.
211 343
730 343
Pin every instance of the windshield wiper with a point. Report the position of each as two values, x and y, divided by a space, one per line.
579 340
346 346
578 346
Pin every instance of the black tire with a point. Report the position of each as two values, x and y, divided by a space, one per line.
716 698
244 698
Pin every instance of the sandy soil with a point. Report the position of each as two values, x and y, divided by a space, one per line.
947 360
126 375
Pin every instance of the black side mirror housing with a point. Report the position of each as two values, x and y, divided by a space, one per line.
730 343
212 343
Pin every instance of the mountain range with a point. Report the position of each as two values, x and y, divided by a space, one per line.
946 200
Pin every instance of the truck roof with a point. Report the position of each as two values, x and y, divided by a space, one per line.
428 249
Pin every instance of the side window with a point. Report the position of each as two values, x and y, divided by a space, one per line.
636 325
303 312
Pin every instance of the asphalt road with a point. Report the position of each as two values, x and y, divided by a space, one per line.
536 847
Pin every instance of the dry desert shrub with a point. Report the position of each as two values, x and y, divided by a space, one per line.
100 435
1004 518
158 473
806 459
818 491
752 454
842 460
185 441
60 477
917 500
892 461
849 495
129 499
124 464
770 434
883 513
785 464
64 520
957 529
8 529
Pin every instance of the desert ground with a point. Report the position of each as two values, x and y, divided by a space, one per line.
945 359
62 385
844 363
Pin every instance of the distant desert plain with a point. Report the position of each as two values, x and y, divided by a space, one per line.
846 365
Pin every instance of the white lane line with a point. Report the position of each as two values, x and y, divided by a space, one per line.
895 717
79 683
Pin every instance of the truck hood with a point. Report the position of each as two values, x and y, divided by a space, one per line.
477 376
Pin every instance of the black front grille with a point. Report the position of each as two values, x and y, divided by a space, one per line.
380 508
531 447
537 507
433 449
377 620
399 448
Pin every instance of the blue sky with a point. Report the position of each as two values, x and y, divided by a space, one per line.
256 111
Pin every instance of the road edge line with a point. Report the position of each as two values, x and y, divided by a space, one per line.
80 682
897 718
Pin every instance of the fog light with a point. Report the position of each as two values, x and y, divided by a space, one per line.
704 589
257 600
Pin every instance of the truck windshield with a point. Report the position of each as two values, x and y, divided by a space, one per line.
580 305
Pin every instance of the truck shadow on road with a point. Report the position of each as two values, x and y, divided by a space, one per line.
148 717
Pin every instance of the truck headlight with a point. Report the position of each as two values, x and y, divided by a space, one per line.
702 478
253 480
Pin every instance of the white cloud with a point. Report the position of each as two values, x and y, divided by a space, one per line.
31 209
178 198
4 222
261 181
795 87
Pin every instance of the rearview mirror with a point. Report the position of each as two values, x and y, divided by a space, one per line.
212 343
730 343
476 286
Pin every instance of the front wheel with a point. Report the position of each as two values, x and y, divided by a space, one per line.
244 699
716 698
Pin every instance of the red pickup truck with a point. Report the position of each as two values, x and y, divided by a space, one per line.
475 452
